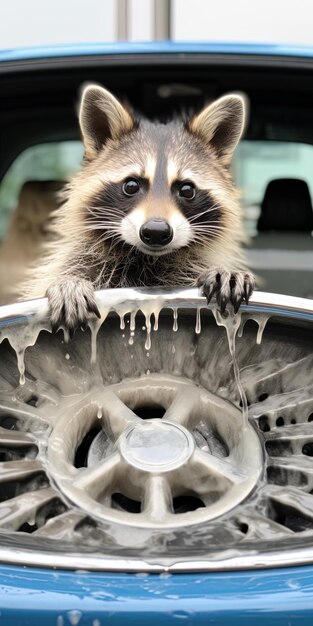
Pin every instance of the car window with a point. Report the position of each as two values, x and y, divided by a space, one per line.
281 260
51 161
256 163
280 251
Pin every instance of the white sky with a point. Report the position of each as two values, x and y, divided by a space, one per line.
44 22
40 22
274 21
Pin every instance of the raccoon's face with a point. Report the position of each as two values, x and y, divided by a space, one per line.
158 187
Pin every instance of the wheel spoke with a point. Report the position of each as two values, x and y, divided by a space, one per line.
15 438
275 377
206 473
62 526
23 508
291 497
116 415
295 432
299 400
295 462
21 411
16 470
261 527
157 499
183 406
43 391
96 479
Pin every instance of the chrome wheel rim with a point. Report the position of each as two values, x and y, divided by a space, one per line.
271 436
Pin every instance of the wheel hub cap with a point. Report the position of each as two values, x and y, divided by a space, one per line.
156 446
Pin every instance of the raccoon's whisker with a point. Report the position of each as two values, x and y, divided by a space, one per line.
94 227
209 231
106 234
206 223
208 210
101 240
104 212
107 219
202 236
96 211
106 231
205 227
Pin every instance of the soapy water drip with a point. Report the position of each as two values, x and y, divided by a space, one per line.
231 323
234 325
198 321
261 320
148 328
20 355
27 335
156 320
132 325
175 320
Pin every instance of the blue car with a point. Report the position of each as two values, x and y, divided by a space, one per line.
135 486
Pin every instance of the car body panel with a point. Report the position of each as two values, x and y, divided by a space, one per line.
162 47
59 598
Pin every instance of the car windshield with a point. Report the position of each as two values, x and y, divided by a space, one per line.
267 173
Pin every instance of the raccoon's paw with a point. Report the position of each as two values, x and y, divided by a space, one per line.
70 302
227 286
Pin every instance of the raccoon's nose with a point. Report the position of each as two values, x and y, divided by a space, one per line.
156 232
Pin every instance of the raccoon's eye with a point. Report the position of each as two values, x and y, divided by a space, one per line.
131 186
187 190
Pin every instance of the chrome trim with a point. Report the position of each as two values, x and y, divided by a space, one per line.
176 298
230 562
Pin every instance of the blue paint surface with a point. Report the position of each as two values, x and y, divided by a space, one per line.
34 597
165 47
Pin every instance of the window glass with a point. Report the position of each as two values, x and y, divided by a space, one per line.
51 161
256 163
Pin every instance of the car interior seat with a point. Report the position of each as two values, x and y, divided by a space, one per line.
282 252
27 232
286 207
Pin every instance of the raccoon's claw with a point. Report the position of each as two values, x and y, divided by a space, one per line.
233 287
236 303
210 289
92 307
70 302
248 287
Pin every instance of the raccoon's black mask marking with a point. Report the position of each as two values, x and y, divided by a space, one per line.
112 198
112 204
202 209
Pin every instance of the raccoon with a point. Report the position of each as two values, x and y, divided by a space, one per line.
154 205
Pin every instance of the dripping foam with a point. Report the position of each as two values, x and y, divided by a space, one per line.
26 334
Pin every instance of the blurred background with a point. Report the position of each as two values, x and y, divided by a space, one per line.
42 22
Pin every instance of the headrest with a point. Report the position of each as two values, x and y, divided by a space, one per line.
37 200
286 206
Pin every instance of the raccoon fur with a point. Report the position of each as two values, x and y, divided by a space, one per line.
154 205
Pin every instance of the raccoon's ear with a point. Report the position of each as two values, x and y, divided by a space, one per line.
101 117
221 124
